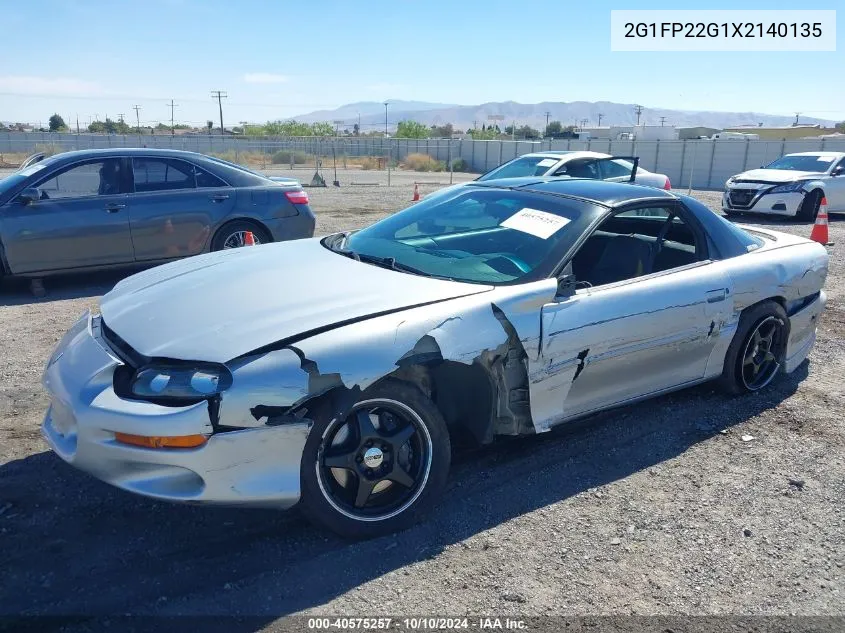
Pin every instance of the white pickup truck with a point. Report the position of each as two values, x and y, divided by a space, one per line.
793 185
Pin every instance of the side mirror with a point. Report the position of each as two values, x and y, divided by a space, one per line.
30 195
566 285
839 171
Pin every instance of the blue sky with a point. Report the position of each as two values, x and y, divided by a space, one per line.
277 59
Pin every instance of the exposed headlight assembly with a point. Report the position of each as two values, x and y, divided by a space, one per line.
788 187
189 381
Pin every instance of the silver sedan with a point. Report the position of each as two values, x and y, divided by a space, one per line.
491 309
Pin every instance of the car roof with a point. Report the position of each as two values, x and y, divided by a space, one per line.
609 194
565 154
127 151
833 154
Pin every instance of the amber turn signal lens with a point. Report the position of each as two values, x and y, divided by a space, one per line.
179 441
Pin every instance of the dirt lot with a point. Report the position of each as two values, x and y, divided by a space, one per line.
658 508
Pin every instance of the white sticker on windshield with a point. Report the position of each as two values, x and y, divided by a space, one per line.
825 159
535 222
547 162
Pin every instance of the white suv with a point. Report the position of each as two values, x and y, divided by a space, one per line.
793 185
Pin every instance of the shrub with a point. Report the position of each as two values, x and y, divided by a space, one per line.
423 162
284 156
370 162
459 164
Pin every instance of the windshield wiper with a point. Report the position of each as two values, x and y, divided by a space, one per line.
392 264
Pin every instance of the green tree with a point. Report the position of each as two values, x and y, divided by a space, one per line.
484 134
356 129
442 131
840 127
322 128
57 123
411 129
210 126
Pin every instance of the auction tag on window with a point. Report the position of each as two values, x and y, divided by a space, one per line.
535 222
825 159
547 162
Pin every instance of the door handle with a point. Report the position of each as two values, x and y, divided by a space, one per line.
114 207
219 197
714 296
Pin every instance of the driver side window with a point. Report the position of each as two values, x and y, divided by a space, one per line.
634 243
103 177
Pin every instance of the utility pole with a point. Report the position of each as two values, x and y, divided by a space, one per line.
219 95
137 109
662 121
385 119
77 125
475 125
172 128
638 109
797 114
601 116
584 122
546 131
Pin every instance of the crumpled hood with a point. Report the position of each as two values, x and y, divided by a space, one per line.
218 306
778 175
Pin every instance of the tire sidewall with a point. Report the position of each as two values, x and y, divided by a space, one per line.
749 319
320 511
809 208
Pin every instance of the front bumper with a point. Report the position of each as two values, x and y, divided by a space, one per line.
251 467
802 332
786 204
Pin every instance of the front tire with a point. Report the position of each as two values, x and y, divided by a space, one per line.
758 349
809 208
379 469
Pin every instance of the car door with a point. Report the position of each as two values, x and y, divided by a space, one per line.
80 219
614 342
835 187
174 207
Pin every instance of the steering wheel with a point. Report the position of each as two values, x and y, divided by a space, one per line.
517 262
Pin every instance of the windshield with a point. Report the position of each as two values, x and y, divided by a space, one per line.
471 234
521 167
803 163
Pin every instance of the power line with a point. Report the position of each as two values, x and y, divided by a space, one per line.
601 116
662 120
172 108
638 109
546 131
137 109
220 95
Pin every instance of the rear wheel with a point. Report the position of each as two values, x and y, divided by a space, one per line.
378 469
758 349
234 235
809 208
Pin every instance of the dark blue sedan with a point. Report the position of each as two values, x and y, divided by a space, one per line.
127 206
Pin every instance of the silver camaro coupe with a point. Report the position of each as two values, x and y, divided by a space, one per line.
332 372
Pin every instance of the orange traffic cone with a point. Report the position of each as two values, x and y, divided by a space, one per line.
416 193
819 233
249 239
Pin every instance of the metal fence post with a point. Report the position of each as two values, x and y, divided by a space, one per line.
486 154
745 158
683 158
501 147
692 166
449 160
710 171
657 155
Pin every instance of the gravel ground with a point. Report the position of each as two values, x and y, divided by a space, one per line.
657 508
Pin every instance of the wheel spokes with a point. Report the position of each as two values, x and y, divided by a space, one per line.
365 426
398 475
345 459
365 489
401 436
